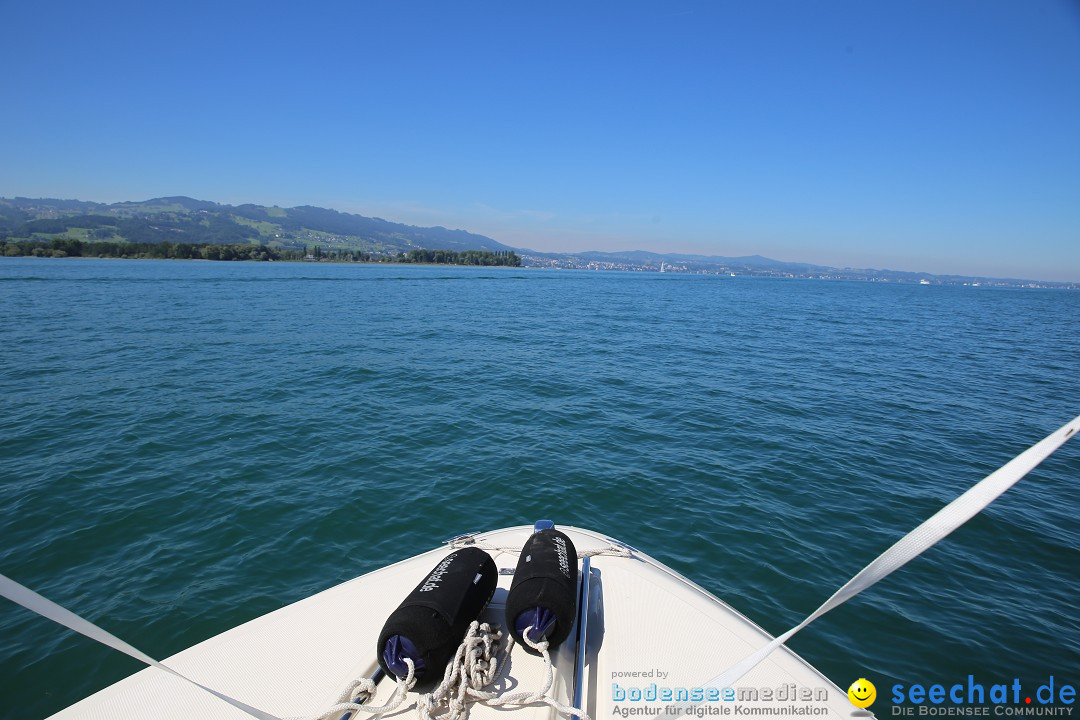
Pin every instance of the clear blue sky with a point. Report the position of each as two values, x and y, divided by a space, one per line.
937 136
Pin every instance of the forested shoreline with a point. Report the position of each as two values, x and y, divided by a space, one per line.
70 247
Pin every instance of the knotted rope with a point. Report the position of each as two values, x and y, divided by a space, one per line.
526 698
476 665
351 700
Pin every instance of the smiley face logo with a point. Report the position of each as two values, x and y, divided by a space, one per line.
862 693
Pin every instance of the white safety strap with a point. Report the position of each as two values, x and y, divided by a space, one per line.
940 524
47 608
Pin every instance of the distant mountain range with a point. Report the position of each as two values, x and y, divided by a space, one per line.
185 220
645 258
756 265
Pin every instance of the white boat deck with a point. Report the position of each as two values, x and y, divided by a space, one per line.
644 619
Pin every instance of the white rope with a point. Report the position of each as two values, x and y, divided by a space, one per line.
541 695
471 541
351 700
476 666
922 538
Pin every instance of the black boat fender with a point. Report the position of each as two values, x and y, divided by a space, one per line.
428 625
544 593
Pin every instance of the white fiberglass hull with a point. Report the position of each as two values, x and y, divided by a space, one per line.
649 630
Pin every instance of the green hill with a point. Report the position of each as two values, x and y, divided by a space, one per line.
190 221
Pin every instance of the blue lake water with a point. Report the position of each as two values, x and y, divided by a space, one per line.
187 445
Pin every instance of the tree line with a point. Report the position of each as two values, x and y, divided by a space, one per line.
73 247
464 257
